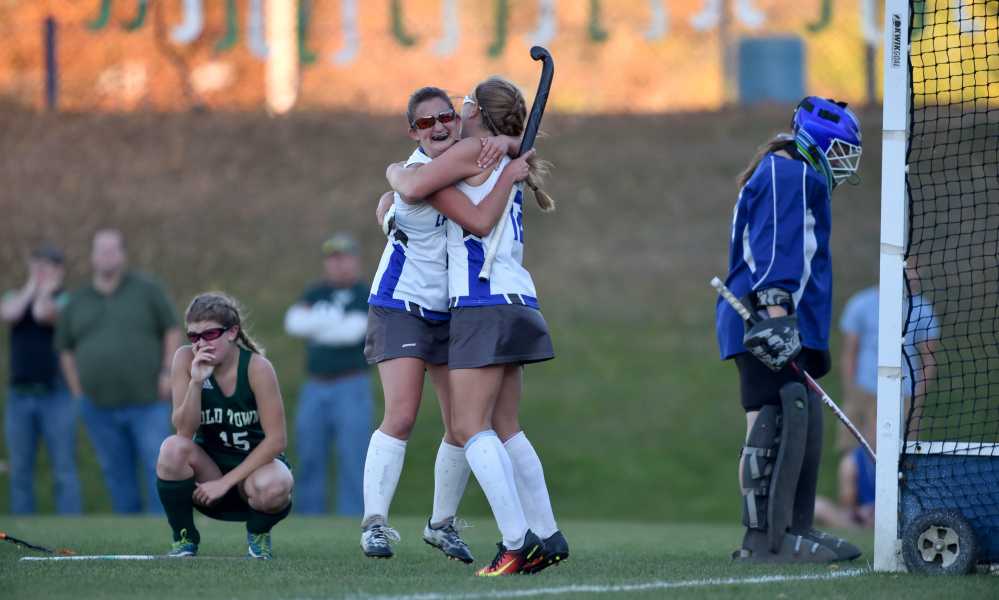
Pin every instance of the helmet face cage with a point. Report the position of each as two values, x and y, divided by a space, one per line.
844 159
833 129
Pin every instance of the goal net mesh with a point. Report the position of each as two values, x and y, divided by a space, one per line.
951 416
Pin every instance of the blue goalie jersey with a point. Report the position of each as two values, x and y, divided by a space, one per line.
780 238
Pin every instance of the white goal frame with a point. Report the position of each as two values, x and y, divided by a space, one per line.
891 315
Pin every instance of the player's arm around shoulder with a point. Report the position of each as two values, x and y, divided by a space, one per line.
481 218
459 162
270 405
186 393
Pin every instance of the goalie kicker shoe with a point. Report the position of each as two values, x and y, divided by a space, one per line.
794 549
258 545
556 551
183 546
375 541
843 549
447 540
509 562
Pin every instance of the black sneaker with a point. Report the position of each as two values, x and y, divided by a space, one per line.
556 551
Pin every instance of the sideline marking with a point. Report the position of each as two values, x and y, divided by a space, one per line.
598 589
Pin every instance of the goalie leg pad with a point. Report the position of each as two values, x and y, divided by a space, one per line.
803 515
758 458
784 483
772 462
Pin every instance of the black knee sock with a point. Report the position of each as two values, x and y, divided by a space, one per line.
178 503
261 522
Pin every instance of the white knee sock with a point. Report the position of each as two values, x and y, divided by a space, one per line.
492 468
530 478
382 469
450 476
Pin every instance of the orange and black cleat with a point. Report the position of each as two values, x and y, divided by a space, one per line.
509 562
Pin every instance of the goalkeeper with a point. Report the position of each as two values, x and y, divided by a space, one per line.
780 264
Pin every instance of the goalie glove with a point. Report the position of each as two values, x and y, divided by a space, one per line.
774 341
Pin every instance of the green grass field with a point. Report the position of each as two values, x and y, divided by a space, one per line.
320 558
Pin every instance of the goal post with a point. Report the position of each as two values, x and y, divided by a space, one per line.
938 345
894 219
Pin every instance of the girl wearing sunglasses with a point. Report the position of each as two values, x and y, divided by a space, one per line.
408 323
496 328
227 458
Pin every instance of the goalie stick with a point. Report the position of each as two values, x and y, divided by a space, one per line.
530 132
752 320
134 557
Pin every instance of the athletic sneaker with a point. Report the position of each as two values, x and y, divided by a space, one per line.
258 545
556 551
509 562
447 540
183 546
375 541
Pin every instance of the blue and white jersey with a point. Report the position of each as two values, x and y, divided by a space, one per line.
780 238
509 282
412 274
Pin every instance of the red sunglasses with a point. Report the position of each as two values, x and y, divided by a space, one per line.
208 334
426 122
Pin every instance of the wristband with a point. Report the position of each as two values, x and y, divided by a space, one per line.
774 297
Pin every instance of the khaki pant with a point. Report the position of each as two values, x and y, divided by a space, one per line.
861 407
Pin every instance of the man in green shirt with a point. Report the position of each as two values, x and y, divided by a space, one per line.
116 338
335 404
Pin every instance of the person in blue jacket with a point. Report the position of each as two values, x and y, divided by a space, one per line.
781 268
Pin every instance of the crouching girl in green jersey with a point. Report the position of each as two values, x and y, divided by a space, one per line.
227 458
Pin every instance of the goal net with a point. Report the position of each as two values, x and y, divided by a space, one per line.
938 407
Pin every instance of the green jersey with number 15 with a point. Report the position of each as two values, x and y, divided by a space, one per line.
230 425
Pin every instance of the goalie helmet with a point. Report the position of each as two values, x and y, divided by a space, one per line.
828 135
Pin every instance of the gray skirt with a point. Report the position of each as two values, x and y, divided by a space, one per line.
394 333
497 335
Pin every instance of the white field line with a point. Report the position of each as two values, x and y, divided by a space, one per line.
604 589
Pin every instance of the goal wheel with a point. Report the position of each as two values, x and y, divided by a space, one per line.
940 542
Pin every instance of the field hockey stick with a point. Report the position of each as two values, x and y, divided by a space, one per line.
134 557
752 320
530 132
21 542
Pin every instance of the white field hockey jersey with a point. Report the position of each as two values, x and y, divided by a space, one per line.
509 282
412 274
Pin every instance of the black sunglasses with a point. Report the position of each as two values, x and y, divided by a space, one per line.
208 334
426 122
